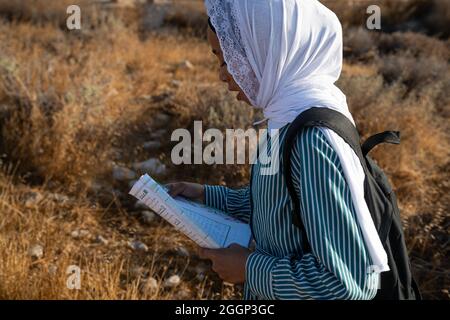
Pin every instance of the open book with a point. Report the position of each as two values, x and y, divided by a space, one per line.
208 227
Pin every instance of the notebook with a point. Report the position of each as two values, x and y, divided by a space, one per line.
208 227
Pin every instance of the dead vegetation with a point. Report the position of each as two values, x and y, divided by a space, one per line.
74 105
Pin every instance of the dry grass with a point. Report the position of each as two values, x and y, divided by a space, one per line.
426 16
74 104
109 271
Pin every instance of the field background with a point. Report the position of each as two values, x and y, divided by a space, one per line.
80 109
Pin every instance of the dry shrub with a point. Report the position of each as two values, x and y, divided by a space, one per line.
427 235
60 92
394 12
359 44
413 72
416 44
188 17
428 16
364 45
74 97
404 13
424 148
350 13
418 167
41 12
439 19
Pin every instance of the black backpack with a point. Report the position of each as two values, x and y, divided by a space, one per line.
398 283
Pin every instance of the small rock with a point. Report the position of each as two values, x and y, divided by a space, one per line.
138 246
123 174
153 166
136 272
101 240
176 83
36 251
113 93
52 270
148 216
60 198
184 294
172 281
32 199
78 234
186 64
154 15
148 285
182 251
162 118
158 134
145 97
151 145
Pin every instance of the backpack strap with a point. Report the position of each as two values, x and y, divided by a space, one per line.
392 137
316 117
415 287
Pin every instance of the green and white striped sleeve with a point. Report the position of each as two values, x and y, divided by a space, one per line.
235 202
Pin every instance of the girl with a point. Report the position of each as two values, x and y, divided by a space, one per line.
284 57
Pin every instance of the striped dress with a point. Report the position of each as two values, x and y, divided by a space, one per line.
337 266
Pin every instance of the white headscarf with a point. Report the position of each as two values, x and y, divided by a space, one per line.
286 56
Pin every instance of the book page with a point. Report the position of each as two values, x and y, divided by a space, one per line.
208 227
222 228
157 199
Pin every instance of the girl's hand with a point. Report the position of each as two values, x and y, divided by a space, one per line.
193 191
229 263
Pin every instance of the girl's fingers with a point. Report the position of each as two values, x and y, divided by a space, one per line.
205 253
211 254
192 191
175 189
201 253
